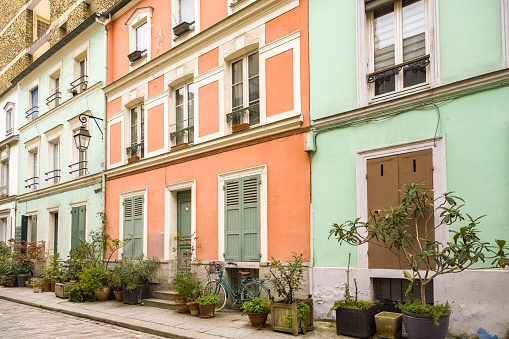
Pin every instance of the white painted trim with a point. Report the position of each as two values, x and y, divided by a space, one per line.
144 192
170 217
505 32
118 119
139 17
195 27
258 170
439 182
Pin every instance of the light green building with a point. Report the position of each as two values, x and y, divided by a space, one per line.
422 88
60 189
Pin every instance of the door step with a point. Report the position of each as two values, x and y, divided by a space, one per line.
165 295
159 303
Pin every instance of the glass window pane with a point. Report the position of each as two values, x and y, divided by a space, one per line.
83 67
142 123
35 97
190 92
141 37
254 91
134 126
186 10
414 42
237 96
384 39
386 85
179 96
253 65
237 72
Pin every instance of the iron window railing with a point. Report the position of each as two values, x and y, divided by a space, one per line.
237 115
32 113
81 83
80 167
385 74
32 183
181 129
133 149
56 97
55 175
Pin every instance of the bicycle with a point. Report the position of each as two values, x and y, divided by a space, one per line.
250 288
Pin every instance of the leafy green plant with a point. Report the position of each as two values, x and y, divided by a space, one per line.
37 282
53 268
436 311
289 319
426 257
5 257
256 305
186 285
90 279
303 310
287 277
207 299
136 272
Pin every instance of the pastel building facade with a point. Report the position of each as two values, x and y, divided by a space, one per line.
60 191
207 110
409 91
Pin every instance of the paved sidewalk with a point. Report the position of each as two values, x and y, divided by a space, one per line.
161 322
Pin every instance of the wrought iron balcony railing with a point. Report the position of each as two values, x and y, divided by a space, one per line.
181 130
32 113
55 98
385 74
55 175
80 84
32 183
237 115
80 168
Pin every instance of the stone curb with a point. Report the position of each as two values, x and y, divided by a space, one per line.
99 319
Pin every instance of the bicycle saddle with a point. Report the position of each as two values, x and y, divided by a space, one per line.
244 273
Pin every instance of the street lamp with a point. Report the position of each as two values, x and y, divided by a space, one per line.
82 135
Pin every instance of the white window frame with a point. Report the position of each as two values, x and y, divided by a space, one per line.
9 111
186 109
51 162
175 20
170 217
31 104
138 18
52 89
123 196
365 54
262 172
4 172
505 31
139 128
79 55
439 186
50 230
33 169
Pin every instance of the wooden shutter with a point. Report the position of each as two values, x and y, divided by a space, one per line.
82 222
242 219
251 219
233 220
33 229
24 228
133 226
75 226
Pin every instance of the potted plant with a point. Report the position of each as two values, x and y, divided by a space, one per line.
53 270
132 151
257 309
135 276
354 317
207 304
73 91
37 285
115 283
389 325
426 257
187 287
290 314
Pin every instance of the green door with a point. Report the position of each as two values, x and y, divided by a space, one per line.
33 230
78 225
184 228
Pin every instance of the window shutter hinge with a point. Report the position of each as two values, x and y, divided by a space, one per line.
224 255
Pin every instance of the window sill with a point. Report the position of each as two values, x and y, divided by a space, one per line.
179 147
396 95
240 127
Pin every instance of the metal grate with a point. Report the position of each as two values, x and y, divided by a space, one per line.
389 291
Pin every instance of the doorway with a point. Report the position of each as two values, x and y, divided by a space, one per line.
184 249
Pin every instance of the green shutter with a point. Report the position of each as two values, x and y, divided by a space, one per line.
82 227
33 231
24 229
75 227
242 219
251 218
133 226
232 220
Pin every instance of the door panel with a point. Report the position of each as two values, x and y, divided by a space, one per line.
184 227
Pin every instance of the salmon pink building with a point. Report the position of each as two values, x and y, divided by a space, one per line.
207 114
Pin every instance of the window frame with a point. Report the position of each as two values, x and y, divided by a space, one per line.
140 129
53 90
79 80
173 130
81 170
35 110
53 179
8 120
365 53
4 180
140 17
33 169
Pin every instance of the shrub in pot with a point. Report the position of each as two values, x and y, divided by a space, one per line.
187 287
90 280
37 285
426 257
257 309
53 270
134 276
207 304
290 314
115 282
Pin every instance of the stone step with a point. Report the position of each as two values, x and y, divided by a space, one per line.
159 303
166 295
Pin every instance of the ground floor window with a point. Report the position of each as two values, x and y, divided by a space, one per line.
133 225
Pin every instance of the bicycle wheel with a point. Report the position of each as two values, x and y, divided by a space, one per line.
213 287
254 289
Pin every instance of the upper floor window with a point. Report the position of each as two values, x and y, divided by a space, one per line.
32 182
185 20
8 122
245 91
79 167
141 37
4 188
139 24
137 133
42 28
80 71
182 131
55 95
399 50
33 112
54 173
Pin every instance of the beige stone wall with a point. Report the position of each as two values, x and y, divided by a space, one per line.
77 16
56 34
104 5
58 7
8 9
16 38
15 69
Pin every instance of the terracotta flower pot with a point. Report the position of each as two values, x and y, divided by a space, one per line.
102 294
9 283
52 286
181 308
207 311
194 308
46 286
119 296
257 319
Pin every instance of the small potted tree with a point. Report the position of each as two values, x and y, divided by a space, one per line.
186 286
257 309
426 257
290 314
37 285
53 270
135 275
207 304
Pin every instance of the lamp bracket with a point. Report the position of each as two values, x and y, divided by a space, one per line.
83 118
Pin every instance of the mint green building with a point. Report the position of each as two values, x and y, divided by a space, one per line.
60 189
409 91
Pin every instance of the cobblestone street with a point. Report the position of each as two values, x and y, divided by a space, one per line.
19 321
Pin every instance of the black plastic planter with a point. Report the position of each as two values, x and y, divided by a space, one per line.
420 326
132 297
181 28
356 323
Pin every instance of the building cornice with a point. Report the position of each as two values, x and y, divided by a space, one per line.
427 97
62 106
225 27
75 184
286 128
13 139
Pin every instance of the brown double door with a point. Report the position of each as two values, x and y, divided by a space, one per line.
385 179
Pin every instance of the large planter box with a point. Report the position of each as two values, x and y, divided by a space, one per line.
280 311
62 289
133 297
389 325
356 323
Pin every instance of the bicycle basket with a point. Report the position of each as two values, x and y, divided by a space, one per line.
215 267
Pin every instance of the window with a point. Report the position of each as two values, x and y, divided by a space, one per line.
242 219
186 10
32 183
137 125
80 71
245 91
4 188
54 88
78 224
42 28
3 230
140 36
29 227
54 174
33 112
8 122
182 132
133 225
400 55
